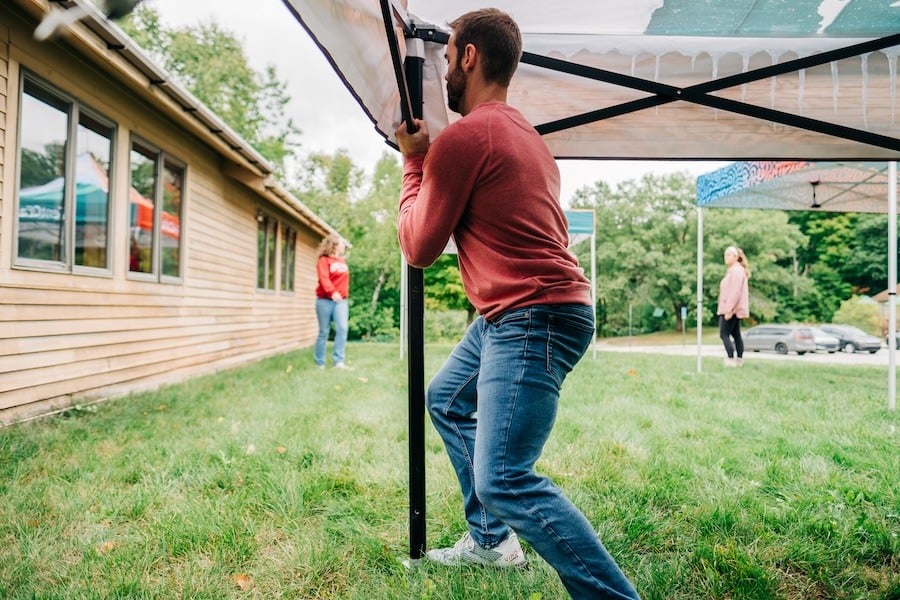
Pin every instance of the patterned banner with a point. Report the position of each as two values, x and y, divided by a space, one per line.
740 176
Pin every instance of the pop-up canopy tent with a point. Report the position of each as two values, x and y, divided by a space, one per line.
663 79
860 187
645 79
804 185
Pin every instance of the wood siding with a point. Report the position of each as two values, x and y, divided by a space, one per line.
67 338
4 86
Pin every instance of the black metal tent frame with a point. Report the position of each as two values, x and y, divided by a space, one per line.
409 81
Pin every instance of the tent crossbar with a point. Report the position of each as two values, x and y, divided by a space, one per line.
850 187
671 92
690 95
793 120
427 33
797 64
750 110
431 33
601 114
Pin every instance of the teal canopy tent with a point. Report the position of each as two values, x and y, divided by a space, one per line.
41 208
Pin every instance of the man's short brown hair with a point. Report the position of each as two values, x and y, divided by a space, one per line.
497 38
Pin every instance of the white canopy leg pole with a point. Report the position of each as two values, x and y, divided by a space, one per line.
594 282
699 290
892 284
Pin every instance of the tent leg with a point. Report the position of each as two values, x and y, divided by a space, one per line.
892 285
416 381
699 290
416 330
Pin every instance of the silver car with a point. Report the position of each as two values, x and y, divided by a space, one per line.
780 338
854 338
825 342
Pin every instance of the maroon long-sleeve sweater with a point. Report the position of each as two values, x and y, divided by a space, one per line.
333 276
490 181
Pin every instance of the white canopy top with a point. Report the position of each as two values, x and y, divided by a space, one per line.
797 185
644 57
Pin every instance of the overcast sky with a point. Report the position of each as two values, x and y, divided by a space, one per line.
323 108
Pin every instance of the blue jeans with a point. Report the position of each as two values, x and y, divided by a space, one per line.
328 310
494 404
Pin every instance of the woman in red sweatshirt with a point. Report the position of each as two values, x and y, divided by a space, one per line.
734 304
331 299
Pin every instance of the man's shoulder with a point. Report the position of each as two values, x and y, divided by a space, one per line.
463 131
477 122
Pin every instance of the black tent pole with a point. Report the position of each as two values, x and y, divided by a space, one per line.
409 84
415 303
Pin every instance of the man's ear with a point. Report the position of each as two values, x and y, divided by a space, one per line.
469 58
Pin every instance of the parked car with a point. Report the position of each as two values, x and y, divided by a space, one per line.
887 340
825 342
853 338
780 338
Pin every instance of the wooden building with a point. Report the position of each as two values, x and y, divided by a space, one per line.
142 241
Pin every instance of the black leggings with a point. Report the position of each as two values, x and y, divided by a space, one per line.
728 329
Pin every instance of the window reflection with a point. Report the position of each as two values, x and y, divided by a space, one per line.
265 251
170 226
92 192
141 209
42 180
64 193
288 253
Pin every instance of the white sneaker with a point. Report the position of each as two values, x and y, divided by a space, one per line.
507 553
729 362
340 365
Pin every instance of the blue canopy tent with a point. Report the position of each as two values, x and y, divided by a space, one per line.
647 79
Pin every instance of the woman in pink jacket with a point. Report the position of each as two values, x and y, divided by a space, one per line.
734 304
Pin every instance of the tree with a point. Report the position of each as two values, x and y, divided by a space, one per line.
210 62
376 263
771 243
861 312
865 262
37 168
646 253
329 184
366 215
444 288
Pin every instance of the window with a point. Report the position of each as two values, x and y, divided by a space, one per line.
266 231
269 234
288 254
155 199
65 161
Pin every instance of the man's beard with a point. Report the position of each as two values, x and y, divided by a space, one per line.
456 88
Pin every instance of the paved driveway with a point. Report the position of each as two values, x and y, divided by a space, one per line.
710 351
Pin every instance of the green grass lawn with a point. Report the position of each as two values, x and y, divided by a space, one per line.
709 335
278 480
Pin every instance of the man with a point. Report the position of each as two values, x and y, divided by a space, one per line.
490 182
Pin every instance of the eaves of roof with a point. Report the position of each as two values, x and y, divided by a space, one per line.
113 51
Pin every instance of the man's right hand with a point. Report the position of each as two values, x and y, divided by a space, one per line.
413 143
